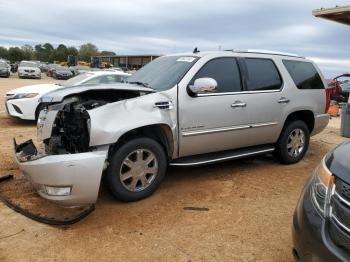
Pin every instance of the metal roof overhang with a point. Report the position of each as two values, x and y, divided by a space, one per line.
340 14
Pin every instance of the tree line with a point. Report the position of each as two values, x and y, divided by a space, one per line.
48 53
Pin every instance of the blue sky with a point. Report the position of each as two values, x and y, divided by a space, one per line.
168 26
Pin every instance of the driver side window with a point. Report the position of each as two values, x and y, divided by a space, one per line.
226 73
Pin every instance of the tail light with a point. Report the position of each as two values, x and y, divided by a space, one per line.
328 98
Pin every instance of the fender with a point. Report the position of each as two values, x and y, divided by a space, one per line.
110 122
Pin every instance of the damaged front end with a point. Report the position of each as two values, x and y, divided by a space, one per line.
68 179
64 127
64 168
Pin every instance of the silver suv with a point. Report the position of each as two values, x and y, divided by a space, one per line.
181 110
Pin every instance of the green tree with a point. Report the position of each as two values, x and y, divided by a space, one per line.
48 47
39 53
107 53
15 54
43 52
61 53
28 52
48 52
4 53
72 51
86 51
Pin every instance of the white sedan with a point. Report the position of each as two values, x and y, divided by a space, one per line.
23 102
29 69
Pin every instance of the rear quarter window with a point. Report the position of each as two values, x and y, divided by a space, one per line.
304 74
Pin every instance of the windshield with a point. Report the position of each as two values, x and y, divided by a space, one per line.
3 64
77 79
164 72
28 64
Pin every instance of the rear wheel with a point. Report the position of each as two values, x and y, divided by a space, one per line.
136 169
293 142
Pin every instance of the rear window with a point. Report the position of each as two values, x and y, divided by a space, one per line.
262 74
304 74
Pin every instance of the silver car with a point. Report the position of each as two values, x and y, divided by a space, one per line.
181 110
29 69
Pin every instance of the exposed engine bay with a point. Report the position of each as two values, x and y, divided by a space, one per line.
70 132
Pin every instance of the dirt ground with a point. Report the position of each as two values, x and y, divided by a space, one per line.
250 204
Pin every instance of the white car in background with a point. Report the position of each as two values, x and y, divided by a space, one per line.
29 69
23 102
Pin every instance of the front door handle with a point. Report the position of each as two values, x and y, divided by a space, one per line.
283 100
238 104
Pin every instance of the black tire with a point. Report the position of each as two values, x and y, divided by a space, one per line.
114 169
282 152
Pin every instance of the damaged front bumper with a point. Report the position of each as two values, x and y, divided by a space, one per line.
68 179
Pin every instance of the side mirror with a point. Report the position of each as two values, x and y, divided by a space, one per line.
204 85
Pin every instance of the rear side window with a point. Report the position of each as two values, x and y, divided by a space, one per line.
304 74
262 74
226 73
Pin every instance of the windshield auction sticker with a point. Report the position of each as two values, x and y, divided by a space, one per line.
187 59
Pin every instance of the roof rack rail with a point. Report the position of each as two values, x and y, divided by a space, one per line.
268 52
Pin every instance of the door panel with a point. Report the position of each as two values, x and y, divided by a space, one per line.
209 123
264 86
265 117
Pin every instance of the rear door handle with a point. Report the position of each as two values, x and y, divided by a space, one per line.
283 100
238 104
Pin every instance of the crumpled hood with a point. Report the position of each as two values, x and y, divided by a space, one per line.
59 95
338 161
40 89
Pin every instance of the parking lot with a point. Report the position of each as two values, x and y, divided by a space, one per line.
250 205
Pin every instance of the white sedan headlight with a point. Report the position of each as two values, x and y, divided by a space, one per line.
25 95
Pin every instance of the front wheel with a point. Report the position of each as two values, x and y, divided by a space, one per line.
136 169
293 142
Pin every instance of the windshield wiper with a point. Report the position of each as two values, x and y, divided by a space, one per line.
142 84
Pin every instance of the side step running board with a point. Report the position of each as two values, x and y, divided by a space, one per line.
205 159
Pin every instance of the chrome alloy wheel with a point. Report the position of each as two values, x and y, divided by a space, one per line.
296 142
138 170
